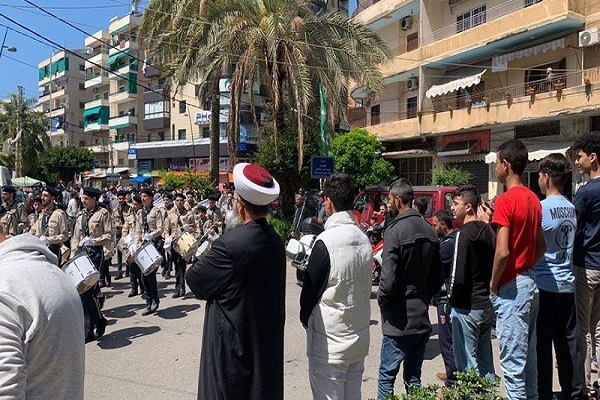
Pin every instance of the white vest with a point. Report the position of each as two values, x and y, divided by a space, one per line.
338 328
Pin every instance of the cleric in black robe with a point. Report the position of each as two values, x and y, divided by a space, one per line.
242 279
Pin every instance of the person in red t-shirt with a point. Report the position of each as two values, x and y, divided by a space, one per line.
513 291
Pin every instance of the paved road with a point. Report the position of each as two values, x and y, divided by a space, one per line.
157 356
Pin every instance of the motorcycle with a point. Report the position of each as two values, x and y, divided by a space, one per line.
377 259
299 250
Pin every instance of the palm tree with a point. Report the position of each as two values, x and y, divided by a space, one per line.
33 139
277 42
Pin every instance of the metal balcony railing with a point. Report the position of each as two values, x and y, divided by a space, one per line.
489 15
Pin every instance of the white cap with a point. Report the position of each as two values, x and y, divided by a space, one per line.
255 184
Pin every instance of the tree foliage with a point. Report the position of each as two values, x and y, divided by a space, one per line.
277 43
285 169
199 182
453 176
359 154
33 139
64 162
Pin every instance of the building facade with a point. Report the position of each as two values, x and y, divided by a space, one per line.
62 98
467 75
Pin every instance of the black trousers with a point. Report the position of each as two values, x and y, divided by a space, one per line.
91 309
119 255
151 287
135 277
445 337
180 267
55 249
557 323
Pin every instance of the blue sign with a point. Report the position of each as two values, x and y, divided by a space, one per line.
243 146
321 167
131 153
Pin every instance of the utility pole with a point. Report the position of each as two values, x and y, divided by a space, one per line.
18 134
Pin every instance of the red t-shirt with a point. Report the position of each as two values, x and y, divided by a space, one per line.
520 211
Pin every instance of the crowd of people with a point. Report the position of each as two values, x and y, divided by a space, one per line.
527 267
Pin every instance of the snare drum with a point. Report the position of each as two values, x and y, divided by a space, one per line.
186 245
203 249
148 258
82 272
124 242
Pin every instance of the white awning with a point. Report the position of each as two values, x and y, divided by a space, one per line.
537 151
500 63
456 79
412 153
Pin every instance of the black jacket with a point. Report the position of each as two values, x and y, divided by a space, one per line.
472 267
242 279
410 275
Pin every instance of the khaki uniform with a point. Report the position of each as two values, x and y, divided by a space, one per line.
203 225
175 222
215 216
129 225
120 216
15 220
33 217
57 230
155 221
100 230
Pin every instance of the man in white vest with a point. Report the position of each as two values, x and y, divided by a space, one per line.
335 305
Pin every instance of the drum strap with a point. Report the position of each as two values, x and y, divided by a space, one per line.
45 218
85 221
145 212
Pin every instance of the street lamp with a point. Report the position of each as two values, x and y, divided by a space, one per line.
11 48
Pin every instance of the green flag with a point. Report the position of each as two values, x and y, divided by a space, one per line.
325 149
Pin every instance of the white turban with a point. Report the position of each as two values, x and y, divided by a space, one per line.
255 184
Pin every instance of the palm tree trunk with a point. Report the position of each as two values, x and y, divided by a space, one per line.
215 133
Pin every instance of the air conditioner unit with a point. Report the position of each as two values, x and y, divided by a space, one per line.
412 83
588 37
406 23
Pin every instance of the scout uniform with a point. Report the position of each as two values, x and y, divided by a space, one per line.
119 216
135 274
14 216
176 224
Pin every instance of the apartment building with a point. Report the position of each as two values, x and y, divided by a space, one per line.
62 98
467 75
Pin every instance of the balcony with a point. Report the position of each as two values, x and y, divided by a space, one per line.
123 45
121 96
57 112
96 103
95 126
124 70
509 25
101 79
381 13
47 95
100 58
122 122
566 95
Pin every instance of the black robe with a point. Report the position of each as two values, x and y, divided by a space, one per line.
242 278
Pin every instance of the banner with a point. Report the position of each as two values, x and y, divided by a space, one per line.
325 149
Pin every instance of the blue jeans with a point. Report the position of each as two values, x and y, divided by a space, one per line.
516 307
472 338
394 350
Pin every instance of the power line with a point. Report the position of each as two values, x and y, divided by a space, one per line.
64 7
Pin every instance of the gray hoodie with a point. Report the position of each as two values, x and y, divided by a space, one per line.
42 353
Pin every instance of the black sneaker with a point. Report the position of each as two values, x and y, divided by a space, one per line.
133 293
118 276
147 311
101 327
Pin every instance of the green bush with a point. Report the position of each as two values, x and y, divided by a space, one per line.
452 176
283 227
469 386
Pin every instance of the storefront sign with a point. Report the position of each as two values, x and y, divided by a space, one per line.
481 137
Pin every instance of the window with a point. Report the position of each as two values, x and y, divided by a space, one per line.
412 41
105 95
96 96
149 137
416 170
375 110
81 67
82 86
471 19
411 107
537 77
182 107
205 132
156 109
537 130
181 134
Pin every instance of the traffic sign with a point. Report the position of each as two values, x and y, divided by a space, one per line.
131 153
321 167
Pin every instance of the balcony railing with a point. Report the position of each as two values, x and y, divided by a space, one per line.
453 101
490 15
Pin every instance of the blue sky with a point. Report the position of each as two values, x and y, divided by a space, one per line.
20 68
87 15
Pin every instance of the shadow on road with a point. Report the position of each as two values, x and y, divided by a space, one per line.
177 312
125 311
433 349
124 337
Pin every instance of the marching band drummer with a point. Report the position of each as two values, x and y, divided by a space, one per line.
149 227
135 274
14 218
52 226
93 231
213 213
178 220
167 260
119 216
